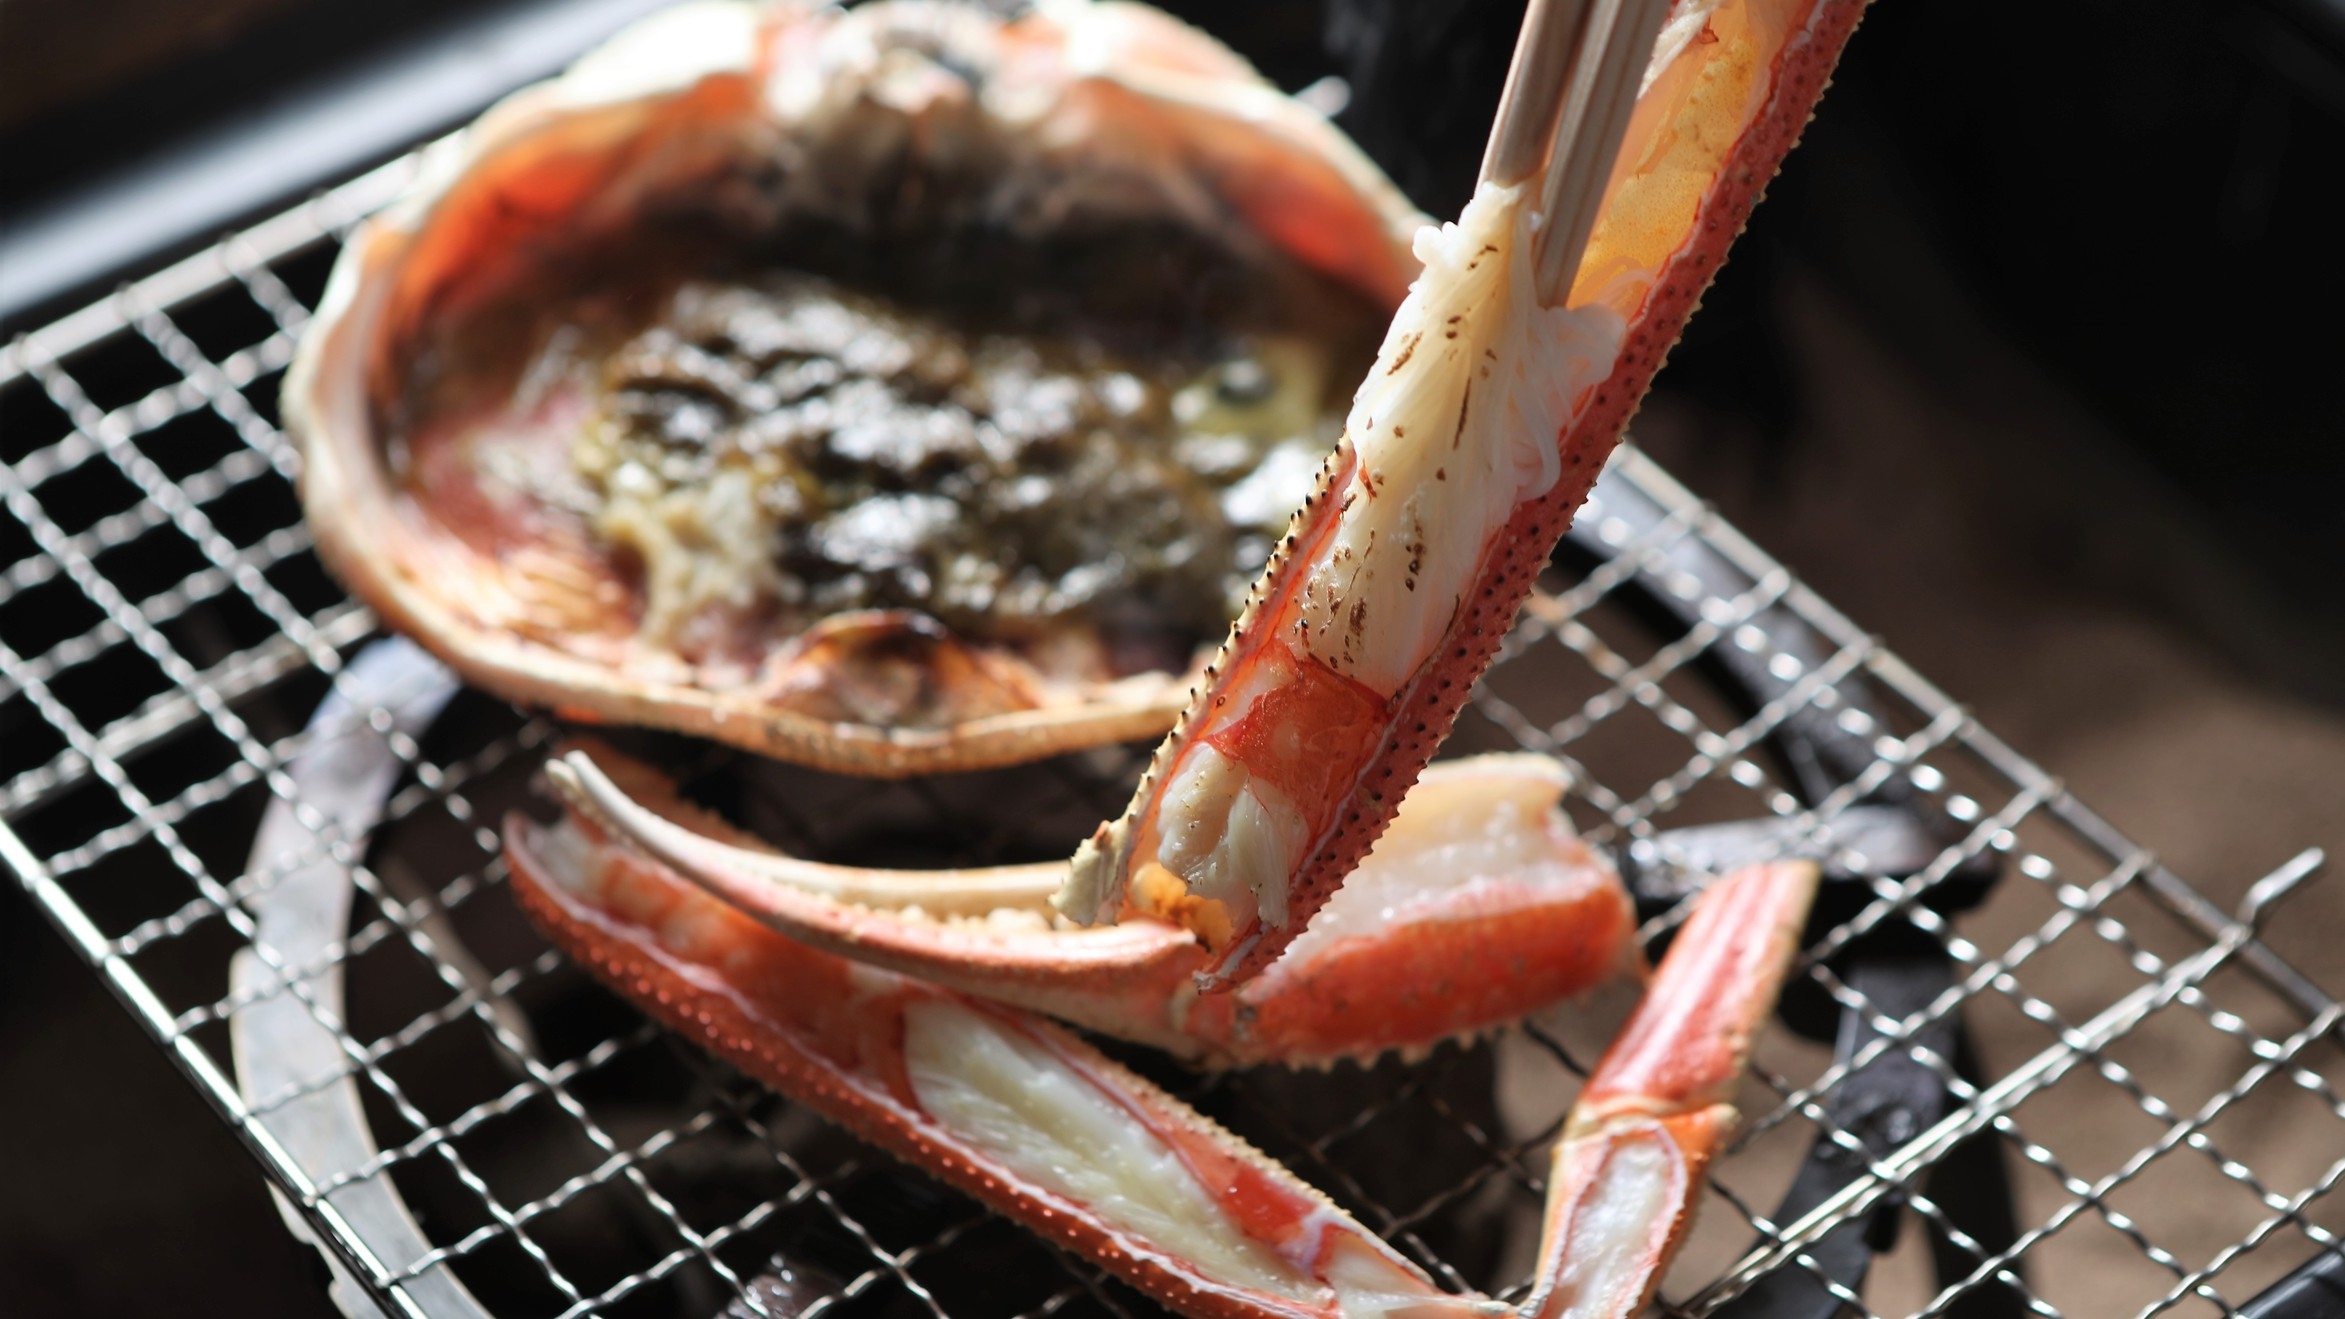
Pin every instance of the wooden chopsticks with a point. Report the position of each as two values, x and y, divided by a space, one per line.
1578 66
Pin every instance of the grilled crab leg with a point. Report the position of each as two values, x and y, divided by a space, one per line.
994 1101
1658 1108
1041 1127
1476 436
1478 907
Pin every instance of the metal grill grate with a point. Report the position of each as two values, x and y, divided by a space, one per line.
165 634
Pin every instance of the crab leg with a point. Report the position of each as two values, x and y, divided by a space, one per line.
1629 1168
1476 436
1011 1110
1478 907
1044 1129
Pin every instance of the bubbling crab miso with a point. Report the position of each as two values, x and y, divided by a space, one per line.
781 448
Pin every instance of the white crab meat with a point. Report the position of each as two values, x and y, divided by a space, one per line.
1454 427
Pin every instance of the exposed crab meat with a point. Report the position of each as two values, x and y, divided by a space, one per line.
546 431
1042 1128
1477 434
1008 1108
1658 1107
1478 907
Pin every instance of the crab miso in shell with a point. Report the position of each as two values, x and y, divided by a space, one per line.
893 391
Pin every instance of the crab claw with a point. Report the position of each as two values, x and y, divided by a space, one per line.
1478 906
1013 1111
1658 1107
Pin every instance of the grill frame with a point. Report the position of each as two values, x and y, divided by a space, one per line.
2187 967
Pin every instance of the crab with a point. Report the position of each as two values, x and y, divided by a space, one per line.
1480 905
1039 1125
893 392
1476 435
1291 883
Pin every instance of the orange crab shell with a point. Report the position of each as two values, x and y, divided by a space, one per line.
1699 153
678 106
1471 963
831 1036
1430 706
840 1039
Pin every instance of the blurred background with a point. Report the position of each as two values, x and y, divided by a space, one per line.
2029 362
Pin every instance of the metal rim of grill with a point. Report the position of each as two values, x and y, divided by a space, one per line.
164 631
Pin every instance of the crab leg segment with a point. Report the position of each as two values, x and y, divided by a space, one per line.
1265 772
1629 1168
1013 1111
1474 439
1478 906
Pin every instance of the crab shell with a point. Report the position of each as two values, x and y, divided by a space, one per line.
1043 1129
1480 907
1730 87
1119 109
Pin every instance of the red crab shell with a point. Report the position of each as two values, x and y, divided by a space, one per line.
1733 85
546 193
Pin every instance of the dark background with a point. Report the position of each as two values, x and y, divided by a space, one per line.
2140 201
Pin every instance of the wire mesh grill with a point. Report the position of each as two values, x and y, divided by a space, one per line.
2164 1090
